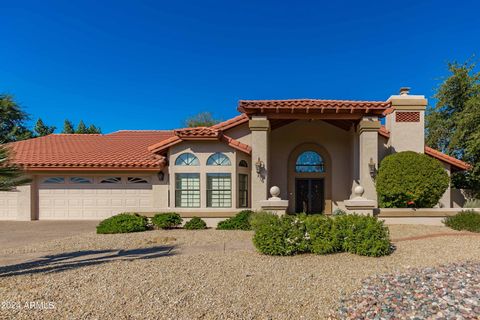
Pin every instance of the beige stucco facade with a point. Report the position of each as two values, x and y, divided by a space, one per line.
348 144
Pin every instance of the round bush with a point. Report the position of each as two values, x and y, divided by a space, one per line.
167 220
466 220
123 223
279 236
195 223
410 179
320 231
241 221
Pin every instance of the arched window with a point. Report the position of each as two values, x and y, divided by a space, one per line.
243 163
187 159
309 161
218 159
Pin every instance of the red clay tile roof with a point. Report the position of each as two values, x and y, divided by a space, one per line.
458 164
225 125
118 150
310 105
199 133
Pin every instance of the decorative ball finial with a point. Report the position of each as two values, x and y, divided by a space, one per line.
275 192
358 191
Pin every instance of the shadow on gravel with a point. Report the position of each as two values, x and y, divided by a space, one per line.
78 259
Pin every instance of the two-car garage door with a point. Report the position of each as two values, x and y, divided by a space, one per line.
82 197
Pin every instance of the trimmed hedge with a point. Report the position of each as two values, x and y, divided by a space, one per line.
195 223
123 223
289 235
465 220
410 179
167 220
241 221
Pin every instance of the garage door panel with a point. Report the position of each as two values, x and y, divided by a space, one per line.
94 201
8 205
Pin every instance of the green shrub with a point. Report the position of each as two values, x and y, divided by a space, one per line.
123 223
466 220
195 223
241 221
363 235
410 179
472 203
279 236
167 220
289 235
322 236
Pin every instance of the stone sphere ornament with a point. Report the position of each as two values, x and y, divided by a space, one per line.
275 192
358 191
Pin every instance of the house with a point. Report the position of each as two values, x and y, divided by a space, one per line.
315 151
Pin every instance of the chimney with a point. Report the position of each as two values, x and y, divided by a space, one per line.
406 121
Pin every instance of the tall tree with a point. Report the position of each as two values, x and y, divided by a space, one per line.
68 127
43 130
81 128
202 119
12 120
453 125
93 129
10 174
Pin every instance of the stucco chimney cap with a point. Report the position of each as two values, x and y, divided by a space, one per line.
404 91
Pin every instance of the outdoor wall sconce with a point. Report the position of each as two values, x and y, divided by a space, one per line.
259 166
372 169
161 175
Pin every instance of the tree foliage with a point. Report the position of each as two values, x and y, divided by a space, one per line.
83 129
10 174
410 179
68 127
42 129
202 119
12 120
453 125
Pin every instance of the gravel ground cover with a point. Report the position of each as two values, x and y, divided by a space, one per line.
443 292
206 274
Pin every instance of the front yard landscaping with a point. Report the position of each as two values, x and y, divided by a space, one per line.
216 274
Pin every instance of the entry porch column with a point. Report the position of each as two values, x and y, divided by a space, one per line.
260 128
368 154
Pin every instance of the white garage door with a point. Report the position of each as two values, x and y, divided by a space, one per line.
82 197
8 205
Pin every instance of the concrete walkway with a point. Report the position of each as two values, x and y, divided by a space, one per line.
23 233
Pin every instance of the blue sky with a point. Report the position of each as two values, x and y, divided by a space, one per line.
151 64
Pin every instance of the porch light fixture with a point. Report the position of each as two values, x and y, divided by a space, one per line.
161 175
372 169
259 165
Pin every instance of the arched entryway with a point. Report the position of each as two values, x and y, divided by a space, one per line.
309 179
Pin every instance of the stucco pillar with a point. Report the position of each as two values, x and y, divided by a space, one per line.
260 128
368 151
26 205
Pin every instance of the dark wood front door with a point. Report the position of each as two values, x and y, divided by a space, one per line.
309 195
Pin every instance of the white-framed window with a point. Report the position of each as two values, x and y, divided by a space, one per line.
219 190
187 159
187 190
54 180
243 190
218 159
80 180
137 180
111 180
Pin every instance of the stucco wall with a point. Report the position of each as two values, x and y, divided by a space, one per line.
337 142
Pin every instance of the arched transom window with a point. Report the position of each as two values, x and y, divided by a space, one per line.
218 159
308 162
187 159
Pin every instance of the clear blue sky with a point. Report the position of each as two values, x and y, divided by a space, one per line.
151 64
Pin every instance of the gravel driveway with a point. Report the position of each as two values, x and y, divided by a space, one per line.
210 274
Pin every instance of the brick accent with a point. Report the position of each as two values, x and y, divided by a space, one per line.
407 116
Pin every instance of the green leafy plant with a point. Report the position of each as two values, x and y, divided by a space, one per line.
410 179
241 221
289 235
465 220
123 223
279 236
167 220
195 223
